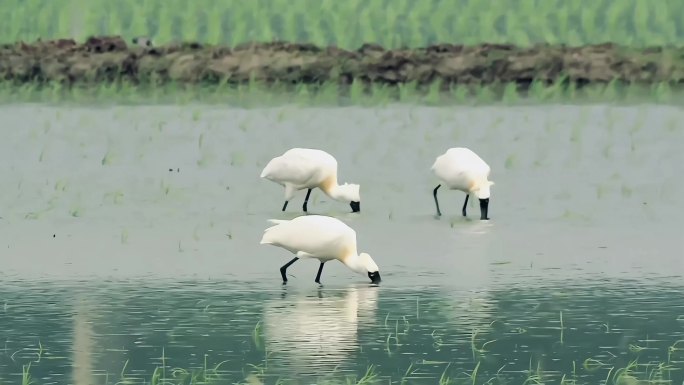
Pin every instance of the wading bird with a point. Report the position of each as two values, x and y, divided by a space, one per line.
461 169
323 238
304 168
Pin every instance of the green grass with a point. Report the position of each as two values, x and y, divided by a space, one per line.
629 368
632 372
255 95
350 23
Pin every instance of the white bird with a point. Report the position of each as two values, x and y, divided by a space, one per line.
461 169
305 168
323 238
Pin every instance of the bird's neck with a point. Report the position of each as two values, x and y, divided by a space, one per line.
353 261
476 184
329 187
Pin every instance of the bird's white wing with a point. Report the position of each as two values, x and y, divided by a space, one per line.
314 235
467 159
294 169
458 167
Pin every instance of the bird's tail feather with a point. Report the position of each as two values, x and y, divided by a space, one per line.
277 221
267 237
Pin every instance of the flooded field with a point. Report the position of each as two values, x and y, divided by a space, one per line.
129 246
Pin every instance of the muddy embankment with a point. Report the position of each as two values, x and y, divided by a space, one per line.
113 59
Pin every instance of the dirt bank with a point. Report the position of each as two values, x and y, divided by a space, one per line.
107 59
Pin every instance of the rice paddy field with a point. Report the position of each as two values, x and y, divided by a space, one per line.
349 24
130 247
130 218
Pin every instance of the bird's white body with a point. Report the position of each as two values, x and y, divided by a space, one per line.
319 237
459 168
305 168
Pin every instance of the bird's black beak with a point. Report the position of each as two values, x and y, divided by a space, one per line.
484 207
355 206
374 277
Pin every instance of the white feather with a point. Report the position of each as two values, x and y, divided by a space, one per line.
320 237
459 168
305 168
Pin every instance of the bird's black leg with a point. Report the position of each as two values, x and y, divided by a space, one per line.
306 200
318 276
283 269
434 194
484 208
464 205
285 206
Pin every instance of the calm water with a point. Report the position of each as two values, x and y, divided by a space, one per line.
129 242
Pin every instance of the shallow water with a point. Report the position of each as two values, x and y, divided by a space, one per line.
131 233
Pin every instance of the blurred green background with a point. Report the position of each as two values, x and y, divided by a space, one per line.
350 23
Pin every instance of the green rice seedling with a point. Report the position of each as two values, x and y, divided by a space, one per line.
39 353
409 372
26 375
661 373
378 96
592 365
356 90
42 154
510 93
116 197
433 96
107 158
237 158
459 94
481 350
32 215
196 115
444 379
258 336
510 162
623 374
387 344
437 341
662 92
486 94
369 376
407 23
674 349
60 185
473 374
75 212
205 159
165 187
576 133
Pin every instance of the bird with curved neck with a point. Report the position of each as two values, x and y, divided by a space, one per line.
323 238
459 168
305 168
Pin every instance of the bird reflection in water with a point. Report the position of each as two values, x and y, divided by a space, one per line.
313 333
83 343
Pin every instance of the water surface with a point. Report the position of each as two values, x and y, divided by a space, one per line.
129 234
